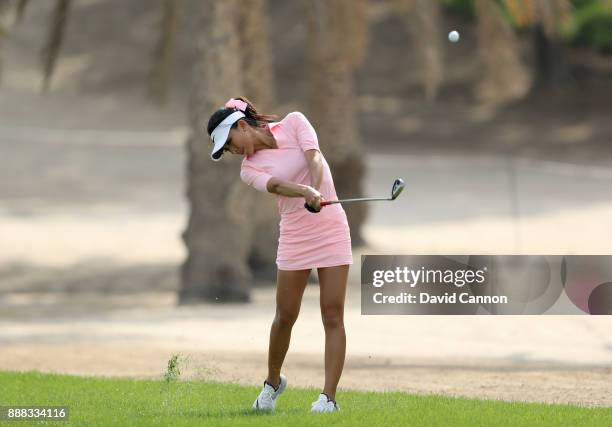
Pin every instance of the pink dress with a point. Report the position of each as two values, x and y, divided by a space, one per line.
307 240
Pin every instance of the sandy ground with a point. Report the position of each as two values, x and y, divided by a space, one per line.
562 359
451 204
479 378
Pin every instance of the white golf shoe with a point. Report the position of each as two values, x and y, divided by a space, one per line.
266 401
324 404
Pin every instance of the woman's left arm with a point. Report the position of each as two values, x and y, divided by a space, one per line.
315 165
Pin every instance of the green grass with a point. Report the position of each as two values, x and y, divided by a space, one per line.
110 402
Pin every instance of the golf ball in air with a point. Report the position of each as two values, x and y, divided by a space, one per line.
453 36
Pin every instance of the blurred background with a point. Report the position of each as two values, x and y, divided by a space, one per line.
122 242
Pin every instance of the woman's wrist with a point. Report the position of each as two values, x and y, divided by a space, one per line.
303 189
290 189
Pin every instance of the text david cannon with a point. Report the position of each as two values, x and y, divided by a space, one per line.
425 298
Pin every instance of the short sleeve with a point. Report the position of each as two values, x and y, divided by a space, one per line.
255 177
305 133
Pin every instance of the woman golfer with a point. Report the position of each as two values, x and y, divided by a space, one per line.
284 158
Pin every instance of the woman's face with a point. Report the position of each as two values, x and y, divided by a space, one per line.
241 139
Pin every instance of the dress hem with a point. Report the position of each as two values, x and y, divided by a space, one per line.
334 264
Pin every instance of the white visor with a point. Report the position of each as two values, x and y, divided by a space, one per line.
219 135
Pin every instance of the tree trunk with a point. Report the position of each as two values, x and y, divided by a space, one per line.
258 80
163 56
551 66
424 21
4 7
505 77
21 8
545 19
218 229
54 40
337 40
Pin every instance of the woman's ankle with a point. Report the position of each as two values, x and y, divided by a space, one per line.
275 383
330 396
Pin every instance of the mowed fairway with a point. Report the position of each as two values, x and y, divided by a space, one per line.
106 401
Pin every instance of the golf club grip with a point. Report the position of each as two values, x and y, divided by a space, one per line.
311 209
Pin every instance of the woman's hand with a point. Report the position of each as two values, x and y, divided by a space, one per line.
313 198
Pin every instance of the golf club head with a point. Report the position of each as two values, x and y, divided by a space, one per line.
397 188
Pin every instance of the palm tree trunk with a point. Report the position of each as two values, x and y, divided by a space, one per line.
258 80
54 41
21 8
337 40
551 66
505 77
423 18
4 7
217 233
161 74
545 18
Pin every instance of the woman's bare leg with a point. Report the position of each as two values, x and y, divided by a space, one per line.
289 292
332 282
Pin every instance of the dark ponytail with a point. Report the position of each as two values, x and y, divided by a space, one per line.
253 118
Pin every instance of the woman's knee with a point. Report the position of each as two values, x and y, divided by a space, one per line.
332 316
291 285
286 317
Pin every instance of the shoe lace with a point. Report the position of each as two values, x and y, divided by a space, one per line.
319 403
266 396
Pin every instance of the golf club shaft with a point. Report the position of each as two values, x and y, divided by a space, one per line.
368 199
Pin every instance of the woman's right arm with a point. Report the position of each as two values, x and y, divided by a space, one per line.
285 188
290 189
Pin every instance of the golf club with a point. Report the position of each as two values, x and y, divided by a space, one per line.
397 188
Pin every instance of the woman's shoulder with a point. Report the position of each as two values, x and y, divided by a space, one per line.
295 115
292 116
295 119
